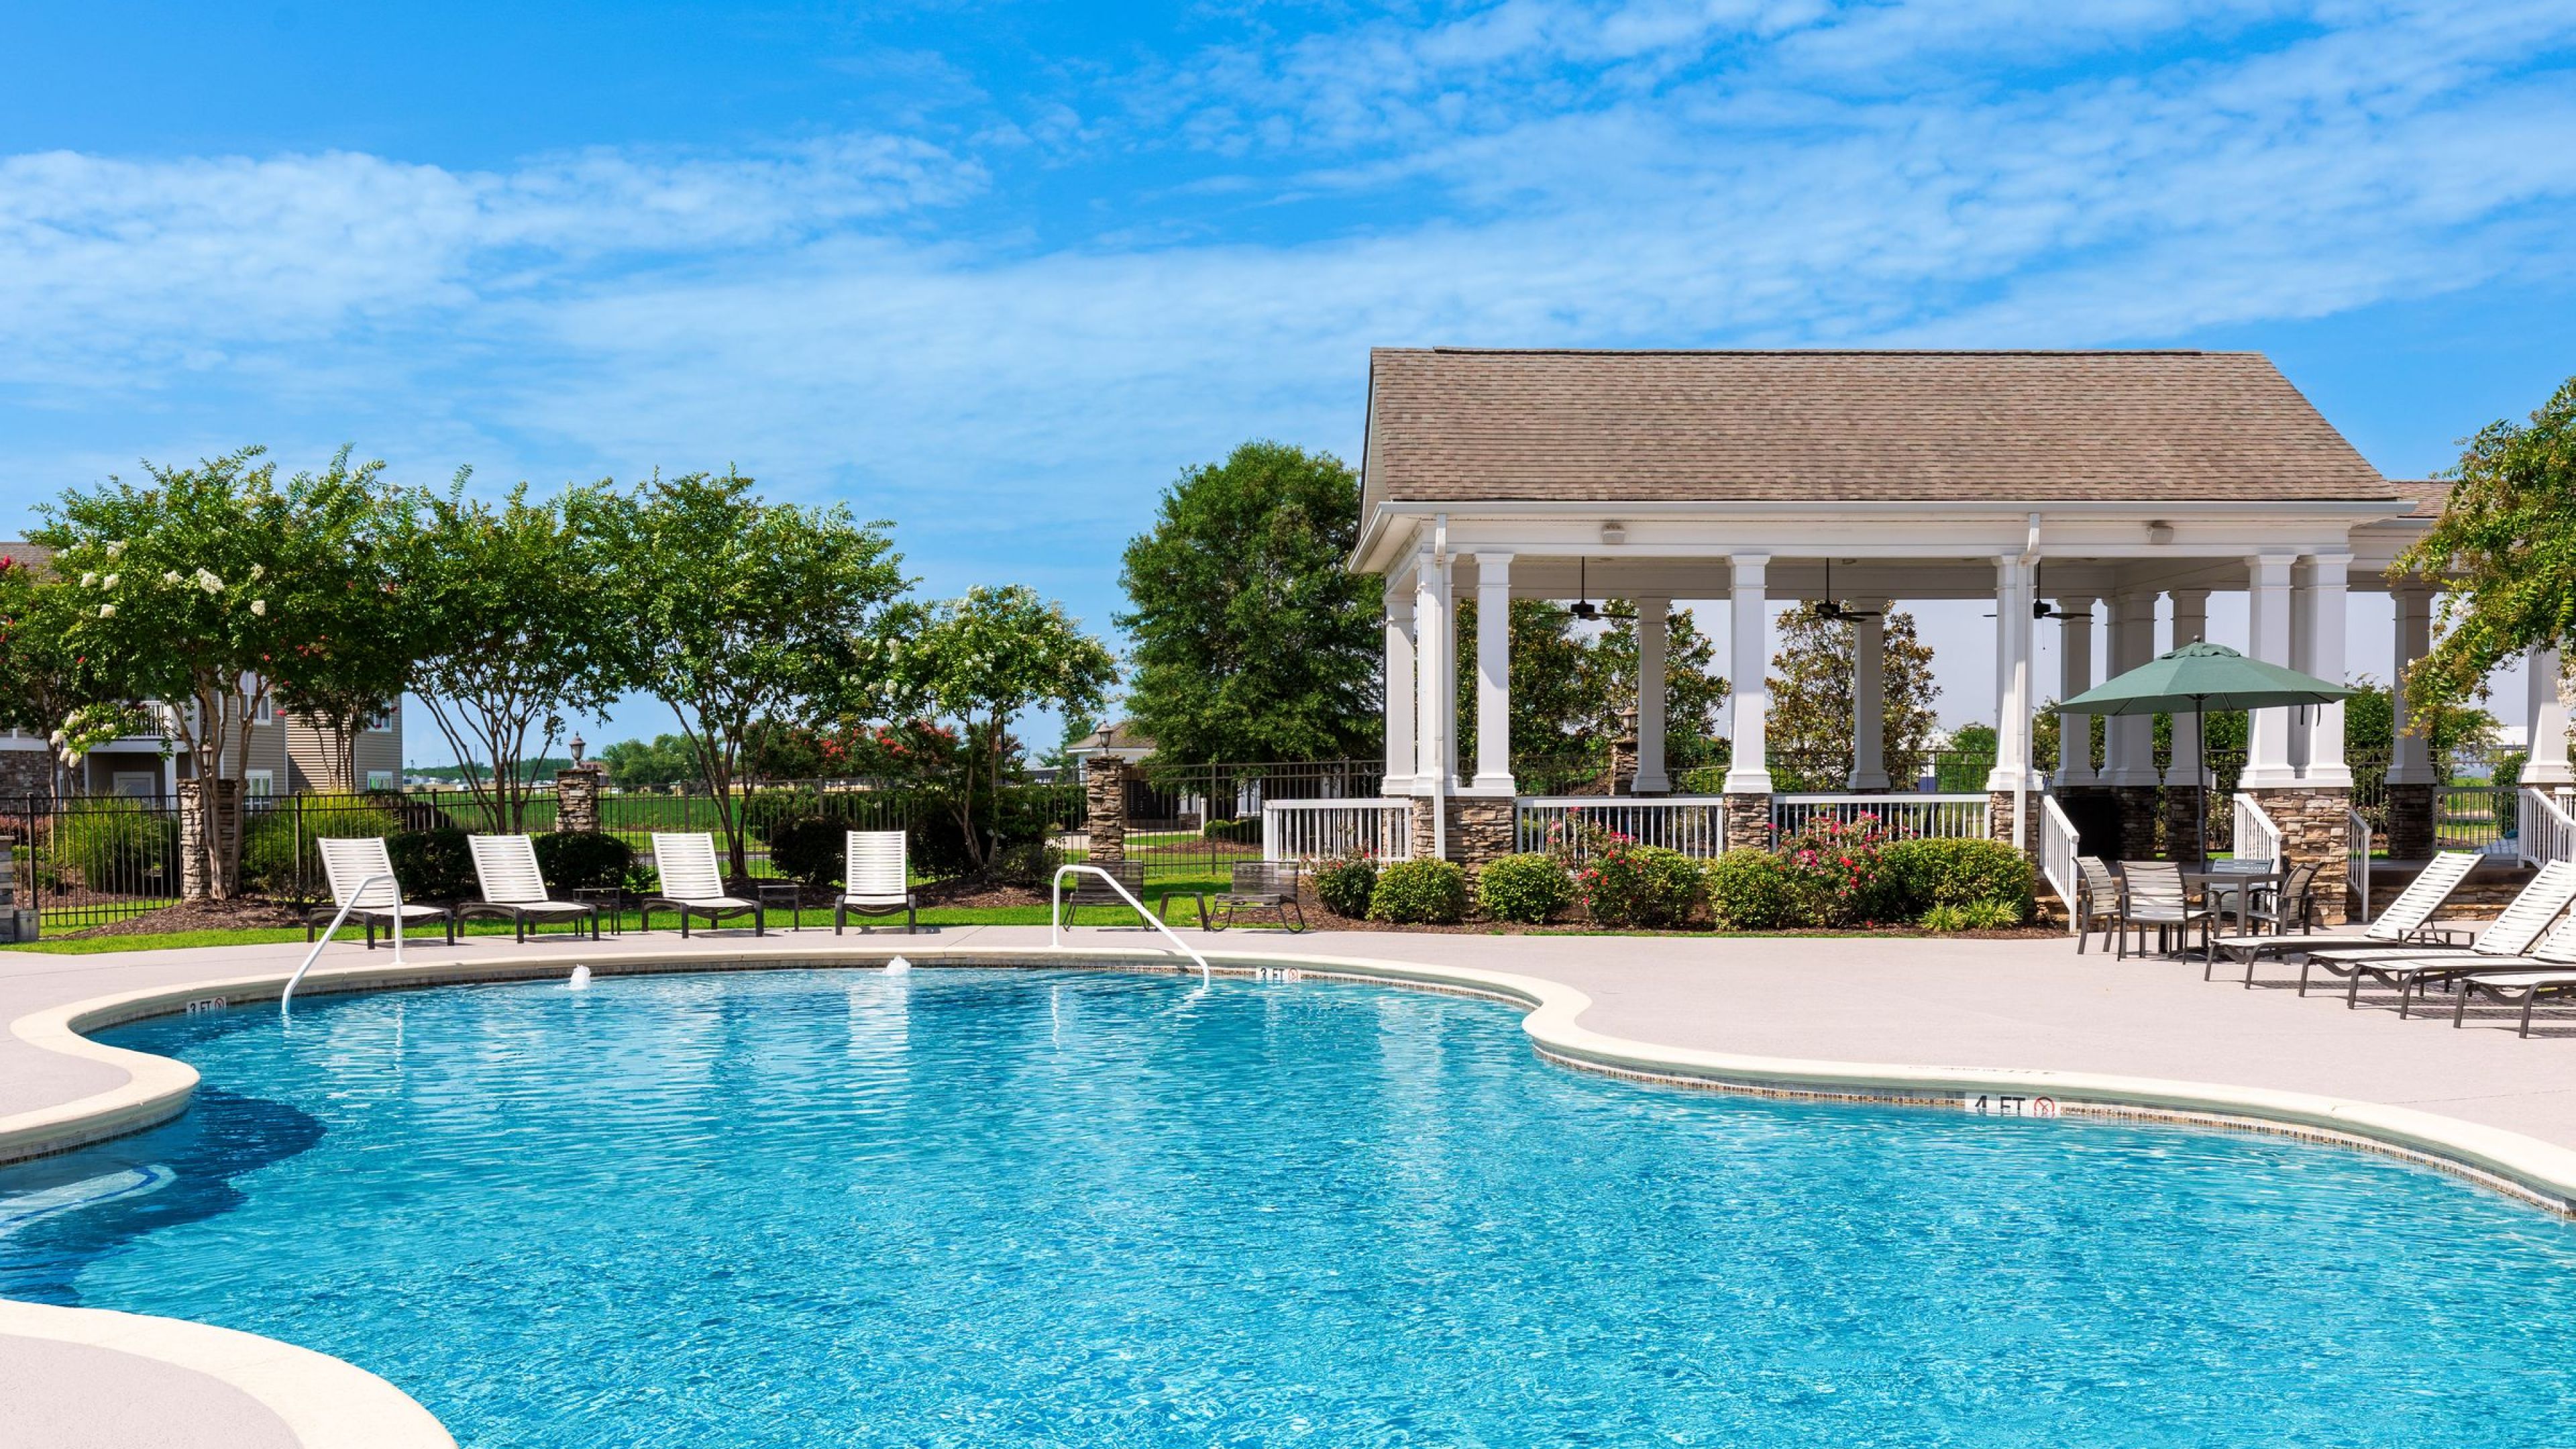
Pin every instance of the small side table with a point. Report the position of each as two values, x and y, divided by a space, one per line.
611 901
771 892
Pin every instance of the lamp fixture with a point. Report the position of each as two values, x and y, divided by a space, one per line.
2159 531
1614 533
1583 604
1832 608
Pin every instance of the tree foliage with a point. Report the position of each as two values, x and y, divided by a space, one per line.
47 687
1571 683
1252 639
1810 726
2506 547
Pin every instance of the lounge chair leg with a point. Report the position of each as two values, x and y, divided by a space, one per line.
760 920
840 918
2528 1003
2405 996
910 918
2459 1009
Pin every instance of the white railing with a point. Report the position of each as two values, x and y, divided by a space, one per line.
1055 913
1566 825
1327 829
2256 837
2356 861
1923 817
284 998
2057 842
2545 829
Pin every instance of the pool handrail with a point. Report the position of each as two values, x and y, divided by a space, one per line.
337 922
1055 914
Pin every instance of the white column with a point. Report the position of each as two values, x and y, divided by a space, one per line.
1403 764
2322 587
2129 741
1748 770
1493 674
1436 724
2190 626
2410 762
2547 716
2074 676
2267 610
2012 676
1869 695
1652 633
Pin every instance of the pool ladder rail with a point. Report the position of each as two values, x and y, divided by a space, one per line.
1055 914
288 995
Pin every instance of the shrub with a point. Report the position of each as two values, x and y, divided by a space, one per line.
278 855
1922 874
1524 888
1842 872
583 860
1990 915
1945 919
1420 892
1752 889
1030 863
1628 884
812 851
118 845
1346 886
434 865
1246 831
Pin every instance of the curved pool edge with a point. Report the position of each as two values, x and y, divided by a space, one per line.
343 1405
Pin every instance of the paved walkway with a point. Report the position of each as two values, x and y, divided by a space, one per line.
2021 1004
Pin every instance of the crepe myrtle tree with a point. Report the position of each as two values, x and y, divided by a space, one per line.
738 612
981 660
192 587
355 643
47 687
504 610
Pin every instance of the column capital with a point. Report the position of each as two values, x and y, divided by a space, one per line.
1489 558
2073 604
1744 563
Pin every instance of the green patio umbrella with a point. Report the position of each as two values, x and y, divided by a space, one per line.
2194 680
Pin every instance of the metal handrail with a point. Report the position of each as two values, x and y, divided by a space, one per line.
1055 913
337 922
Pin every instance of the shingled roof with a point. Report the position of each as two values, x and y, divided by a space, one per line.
1459 424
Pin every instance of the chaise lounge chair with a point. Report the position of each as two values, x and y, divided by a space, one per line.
1257 885
514 889
350 863
2498 948
876 881
2405 920
693 884
2556 976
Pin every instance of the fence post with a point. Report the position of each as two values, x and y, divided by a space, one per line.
198 856
1104 799
577 798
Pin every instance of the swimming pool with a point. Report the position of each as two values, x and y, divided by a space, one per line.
1017 1207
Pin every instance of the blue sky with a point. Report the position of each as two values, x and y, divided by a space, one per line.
997 273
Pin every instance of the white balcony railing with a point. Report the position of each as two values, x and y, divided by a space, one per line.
1330 829
2545 828
1913 817
1568 825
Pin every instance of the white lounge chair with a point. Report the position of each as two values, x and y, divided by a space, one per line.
876 881
514 889
2407 917
693 884
2498 947
351 863
2553 974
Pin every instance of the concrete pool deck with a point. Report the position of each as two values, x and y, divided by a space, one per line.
1918 1019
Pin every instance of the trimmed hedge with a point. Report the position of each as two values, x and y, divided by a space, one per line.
1420 892
270 853
1751 889
811 852
1245 831
1920 874
1346 886
582 860
1528 889
434 865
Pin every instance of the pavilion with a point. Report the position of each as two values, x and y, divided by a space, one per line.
2071 477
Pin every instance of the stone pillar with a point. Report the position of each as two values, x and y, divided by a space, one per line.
2074 677
1651 636
26 779
1481 828
1402 766
2267 608
1748 770
2545 712
1104 801
2314 824
2322 584
1869 696
1493 675
1434 639
2411 776
577 798
195 850
1747 820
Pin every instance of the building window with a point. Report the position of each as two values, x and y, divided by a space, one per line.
383 723
267 712
142 784
259 784
380 779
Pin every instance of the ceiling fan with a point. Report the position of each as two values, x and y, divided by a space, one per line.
2040 608
1832 608
1583 604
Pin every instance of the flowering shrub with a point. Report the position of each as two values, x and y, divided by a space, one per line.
1754 890
1627 884
1346 886
1841 872
1524 888
1420 892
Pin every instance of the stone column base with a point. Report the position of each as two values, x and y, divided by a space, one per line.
1481 828
2182 807
1999 820
200 860
1747 821
2410 822
1104 803
577 798
2314 830
26 777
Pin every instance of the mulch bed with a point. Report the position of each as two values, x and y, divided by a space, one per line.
240 915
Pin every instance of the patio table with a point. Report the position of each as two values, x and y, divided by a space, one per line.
2217 885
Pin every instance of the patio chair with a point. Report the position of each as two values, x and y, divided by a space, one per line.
348 863
1258 885
2406 919
2097 899
514 889
2498 948
2293 900
693 884
2526 989
875 882
1084 889
2151 894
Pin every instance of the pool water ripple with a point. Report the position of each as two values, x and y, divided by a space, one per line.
1060 1208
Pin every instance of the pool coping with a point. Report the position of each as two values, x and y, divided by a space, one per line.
331 1404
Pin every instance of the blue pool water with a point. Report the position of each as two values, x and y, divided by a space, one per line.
1006 1208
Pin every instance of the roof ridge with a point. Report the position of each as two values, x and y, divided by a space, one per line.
1826 351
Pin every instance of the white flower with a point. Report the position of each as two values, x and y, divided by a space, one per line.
110 581
107 611
56 739
258 571
89 581
207 581
259 608
116 549
169 576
